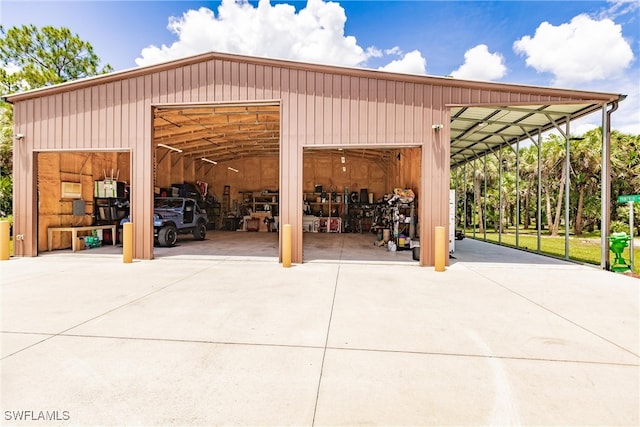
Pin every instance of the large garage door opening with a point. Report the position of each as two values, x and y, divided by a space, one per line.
226 157
361 204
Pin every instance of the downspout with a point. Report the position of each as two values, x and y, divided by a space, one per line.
605 190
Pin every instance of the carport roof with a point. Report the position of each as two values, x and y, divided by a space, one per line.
479 130
475 128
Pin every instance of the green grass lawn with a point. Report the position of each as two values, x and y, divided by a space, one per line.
585 248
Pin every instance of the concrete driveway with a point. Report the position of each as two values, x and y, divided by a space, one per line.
502 337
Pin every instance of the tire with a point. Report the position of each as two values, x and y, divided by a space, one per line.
200 231
167 236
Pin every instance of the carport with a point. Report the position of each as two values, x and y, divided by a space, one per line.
215 115
479 132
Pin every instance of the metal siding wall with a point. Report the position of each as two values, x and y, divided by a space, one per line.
290 161
317 108
433 201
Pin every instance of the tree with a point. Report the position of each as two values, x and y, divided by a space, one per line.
553 155
36 58
586 155
47 56
528 175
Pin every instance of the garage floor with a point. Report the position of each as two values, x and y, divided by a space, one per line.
264 246
502 337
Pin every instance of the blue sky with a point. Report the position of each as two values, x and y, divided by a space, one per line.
591 45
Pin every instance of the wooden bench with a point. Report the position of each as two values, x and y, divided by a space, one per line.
74 233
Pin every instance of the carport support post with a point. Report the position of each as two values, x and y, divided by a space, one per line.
567 187
484 200
518 194
605 189
539 203
631 242
500 219
464 204
474 211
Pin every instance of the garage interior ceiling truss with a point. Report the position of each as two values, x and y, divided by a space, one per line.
477 131
223 133
227 132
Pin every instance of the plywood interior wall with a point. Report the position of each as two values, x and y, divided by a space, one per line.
320 168
406 170
326 169
77 167
254 174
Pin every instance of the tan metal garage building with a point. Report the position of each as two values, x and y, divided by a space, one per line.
283 123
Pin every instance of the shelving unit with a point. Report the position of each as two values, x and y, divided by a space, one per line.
110 210
328 208
328 212
214 211
261 201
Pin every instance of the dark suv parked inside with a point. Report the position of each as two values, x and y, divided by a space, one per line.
177 215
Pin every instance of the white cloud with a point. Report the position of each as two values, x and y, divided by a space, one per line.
618 8
577 52
393 51
480 64
314 34
412 63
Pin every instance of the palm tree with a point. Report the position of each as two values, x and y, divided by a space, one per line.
529 175
553 154
586 165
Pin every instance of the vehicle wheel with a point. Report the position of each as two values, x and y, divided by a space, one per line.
200 231
167 236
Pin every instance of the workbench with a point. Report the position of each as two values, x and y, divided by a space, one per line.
74 233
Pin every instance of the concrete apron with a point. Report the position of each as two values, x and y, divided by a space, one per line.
501 337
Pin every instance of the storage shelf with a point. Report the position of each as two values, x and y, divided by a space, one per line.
256 200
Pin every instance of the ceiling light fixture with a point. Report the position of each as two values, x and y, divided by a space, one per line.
209 161
170 148
233 169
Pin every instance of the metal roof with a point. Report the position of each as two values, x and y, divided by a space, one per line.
477 131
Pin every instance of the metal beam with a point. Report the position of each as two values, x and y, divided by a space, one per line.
567 188
484 201
539 218
518 194
605 189
500 219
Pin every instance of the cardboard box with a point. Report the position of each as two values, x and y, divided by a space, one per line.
106 188
80 244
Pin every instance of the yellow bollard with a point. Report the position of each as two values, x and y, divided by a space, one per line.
4 240
440 249
127 242
286 246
